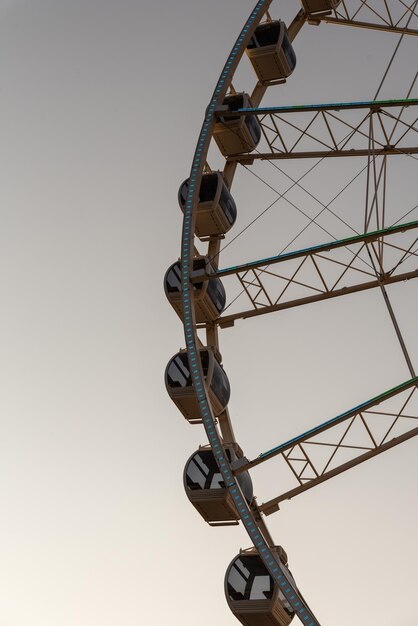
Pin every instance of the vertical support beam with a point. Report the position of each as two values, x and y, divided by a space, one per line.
226 428
297 24
258 94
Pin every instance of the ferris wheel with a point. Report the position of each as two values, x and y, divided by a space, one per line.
332 255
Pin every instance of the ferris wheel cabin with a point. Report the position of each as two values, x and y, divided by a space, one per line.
252 595
209 295
206 490
216 210
270 52
237 134
178 381
320 6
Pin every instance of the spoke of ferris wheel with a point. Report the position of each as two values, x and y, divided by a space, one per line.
376 206
367 237
313 270
312 131
362 433
367 16
331 106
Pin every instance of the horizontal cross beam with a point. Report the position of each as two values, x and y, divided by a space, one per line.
397 16
389 28
312 271
386 395
280 258
273 505
228 320
296 449
374 105
248 159
340 129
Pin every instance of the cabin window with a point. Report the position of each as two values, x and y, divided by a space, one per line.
203 472
208 187
220 385
173 276
197 472
246 485
196 475
199 264
228 205
178 373
216 293
184 190
265 35
289 52
237 581
207 192
204 358
261 588
248 579
254 128
234 102
173 279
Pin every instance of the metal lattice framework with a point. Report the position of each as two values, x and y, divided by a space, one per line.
374 257
346 441
396 17
325 271
337 130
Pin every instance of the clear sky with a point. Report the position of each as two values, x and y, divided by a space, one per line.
101 104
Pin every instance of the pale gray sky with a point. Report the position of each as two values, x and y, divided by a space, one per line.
101 104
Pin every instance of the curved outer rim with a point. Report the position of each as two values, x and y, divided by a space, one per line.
276 570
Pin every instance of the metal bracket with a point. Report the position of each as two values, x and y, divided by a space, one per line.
239 463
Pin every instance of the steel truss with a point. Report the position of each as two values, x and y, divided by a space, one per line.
369 133
338 130
376 129
400 17
345 441
326 271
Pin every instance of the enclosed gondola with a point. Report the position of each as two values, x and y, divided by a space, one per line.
216 210
178 381
206 489
208 295
253 596
320 6
237 134
270 52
